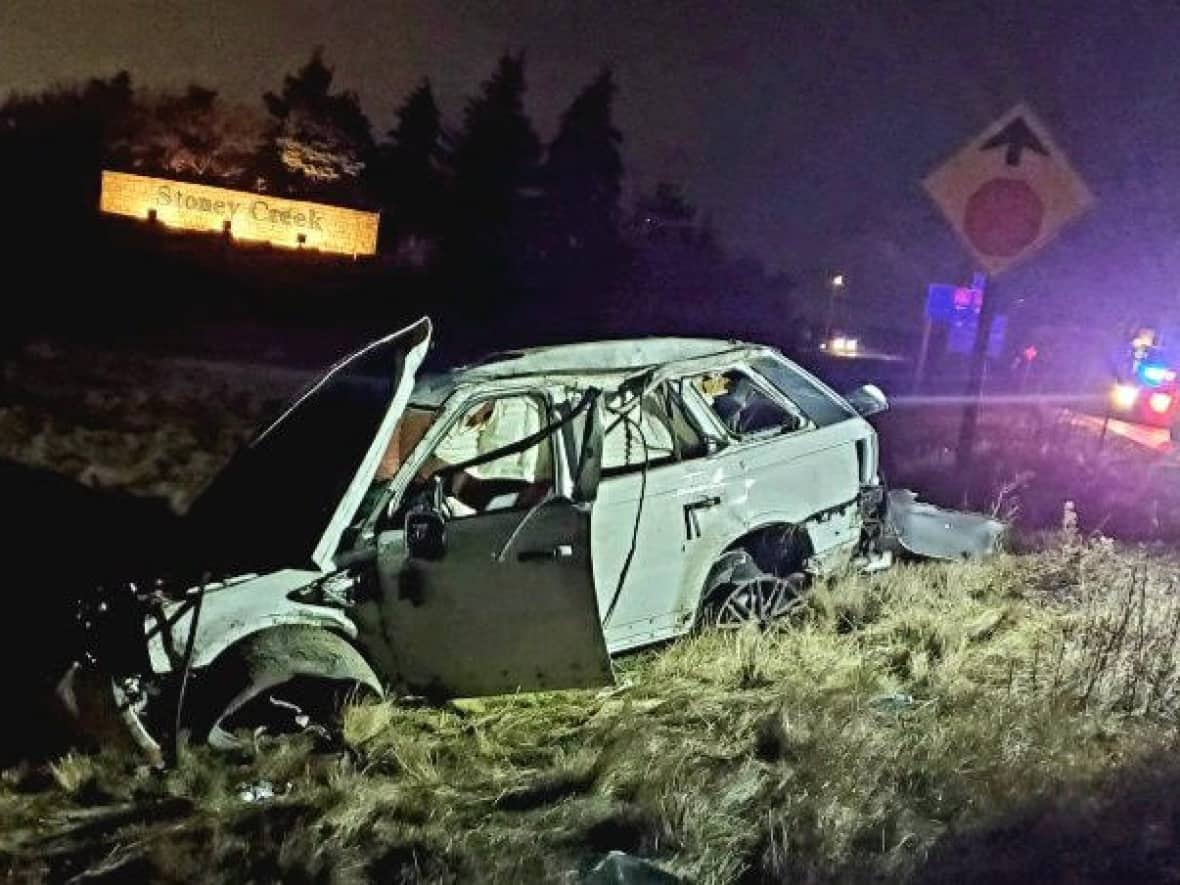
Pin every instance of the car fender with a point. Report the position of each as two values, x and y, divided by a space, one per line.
232 611
716 545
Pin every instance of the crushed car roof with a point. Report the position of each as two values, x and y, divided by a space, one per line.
588 357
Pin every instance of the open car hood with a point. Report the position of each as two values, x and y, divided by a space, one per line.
285 499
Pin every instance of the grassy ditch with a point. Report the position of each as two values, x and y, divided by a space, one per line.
897 726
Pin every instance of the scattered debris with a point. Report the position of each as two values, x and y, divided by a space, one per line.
261 791
894 702
620 868
932 532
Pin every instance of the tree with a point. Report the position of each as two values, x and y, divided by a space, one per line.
53 147
496 160
194 134
583 178
405 174
681 280
664 214
318 140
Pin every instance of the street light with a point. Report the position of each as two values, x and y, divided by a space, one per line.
835 284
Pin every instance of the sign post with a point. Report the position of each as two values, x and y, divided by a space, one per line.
1007 194
923 353
983 330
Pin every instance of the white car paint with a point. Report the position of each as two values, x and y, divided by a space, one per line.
233 610
324 551
809 478
775 480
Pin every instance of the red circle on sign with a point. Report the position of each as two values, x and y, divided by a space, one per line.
1003 217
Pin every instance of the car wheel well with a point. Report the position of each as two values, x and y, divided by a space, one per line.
779 548
271 657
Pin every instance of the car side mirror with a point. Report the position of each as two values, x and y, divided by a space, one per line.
426 527
426 534
868 399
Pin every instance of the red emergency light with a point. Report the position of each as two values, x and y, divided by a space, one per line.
1160 402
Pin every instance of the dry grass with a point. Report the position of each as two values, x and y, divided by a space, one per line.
975 722
1029 461
893 714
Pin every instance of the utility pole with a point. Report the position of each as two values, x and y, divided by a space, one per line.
835 284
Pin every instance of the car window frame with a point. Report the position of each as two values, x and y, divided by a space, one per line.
542 399
460 403
672 460
831 395
763 386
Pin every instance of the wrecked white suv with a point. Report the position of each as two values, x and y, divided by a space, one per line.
506 526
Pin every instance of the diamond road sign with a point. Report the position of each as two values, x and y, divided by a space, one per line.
1009 192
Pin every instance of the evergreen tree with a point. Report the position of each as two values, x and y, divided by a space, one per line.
664 214
583 178
682 281
406 175
53 147
318 140
496 161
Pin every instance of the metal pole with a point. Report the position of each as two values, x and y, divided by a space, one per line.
831 311
920 368
975 380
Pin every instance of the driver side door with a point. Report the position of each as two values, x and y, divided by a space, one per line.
509 605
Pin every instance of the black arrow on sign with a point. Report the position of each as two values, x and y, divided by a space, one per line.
1016 137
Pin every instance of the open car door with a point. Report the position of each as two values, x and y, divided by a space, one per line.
507 603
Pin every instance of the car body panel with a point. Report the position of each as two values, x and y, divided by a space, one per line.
232 611
932 532
480 620
511 606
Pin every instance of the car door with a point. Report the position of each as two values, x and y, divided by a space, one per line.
647 519
510 604
798 462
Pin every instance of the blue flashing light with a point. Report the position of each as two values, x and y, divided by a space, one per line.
1156 374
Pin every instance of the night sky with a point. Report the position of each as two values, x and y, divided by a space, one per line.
804 128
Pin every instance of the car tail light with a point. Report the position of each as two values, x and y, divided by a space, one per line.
1160 402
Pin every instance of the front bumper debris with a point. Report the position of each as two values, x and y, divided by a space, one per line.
924 530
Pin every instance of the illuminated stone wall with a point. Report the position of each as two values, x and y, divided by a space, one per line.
250 216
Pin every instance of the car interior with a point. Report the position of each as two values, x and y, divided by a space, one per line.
743 407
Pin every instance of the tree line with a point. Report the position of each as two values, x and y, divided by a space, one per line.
508 232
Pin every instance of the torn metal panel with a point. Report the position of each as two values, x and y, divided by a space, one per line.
938 533
233 611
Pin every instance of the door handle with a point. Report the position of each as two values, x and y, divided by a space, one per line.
692 526
561 551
